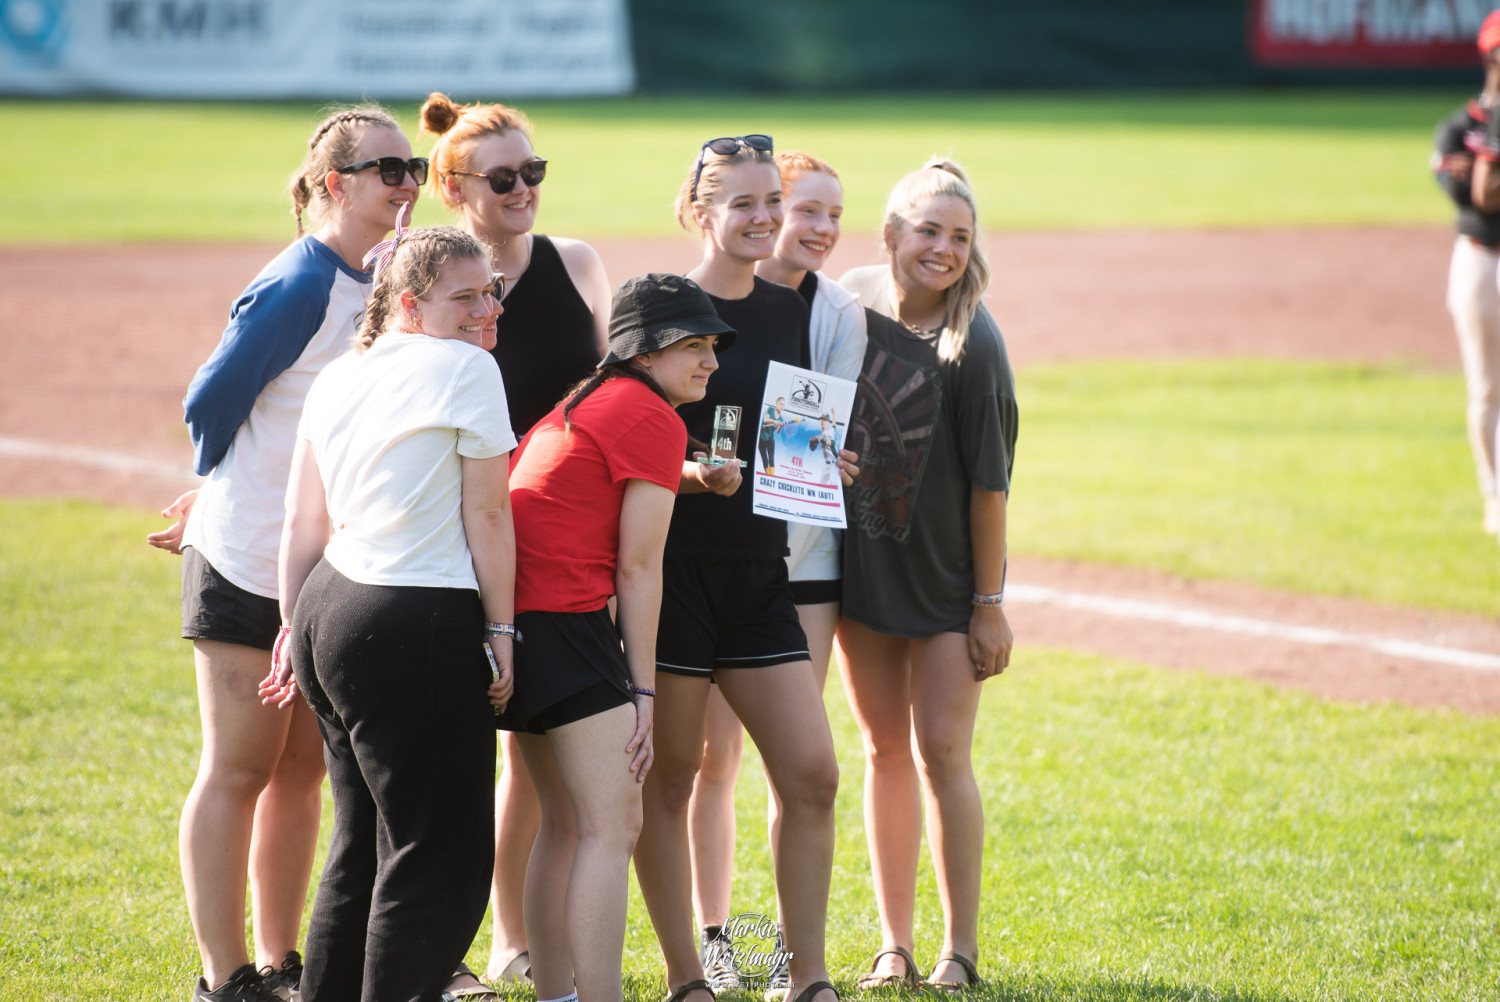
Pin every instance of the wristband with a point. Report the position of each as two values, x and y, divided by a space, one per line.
503 630
997 599
639 691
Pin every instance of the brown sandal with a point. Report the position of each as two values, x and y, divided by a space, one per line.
811 991
477 992
971 975
692 986
910 979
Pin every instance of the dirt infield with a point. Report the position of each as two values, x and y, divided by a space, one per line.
1370 294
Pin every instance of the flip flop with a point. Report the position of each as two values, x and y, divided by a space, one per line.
692 986
516 972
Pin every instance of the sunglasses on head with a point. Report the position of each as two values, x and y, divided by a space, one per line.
393 170
728 146
503 179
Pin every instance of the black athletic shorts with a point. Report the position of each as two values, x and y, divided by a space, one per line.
726 614
817 592
214 608
569 665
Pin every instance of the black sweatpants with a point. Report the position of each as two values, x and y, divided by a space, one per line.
397 678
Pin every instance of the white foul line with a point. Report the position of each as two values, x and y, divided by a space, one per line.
1122 608
1119 608
100 459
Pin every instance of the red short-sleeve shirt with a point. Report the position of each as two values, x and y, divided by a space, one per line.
566 488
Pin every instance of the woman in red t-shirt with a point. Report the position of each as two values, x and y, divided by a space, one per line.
592 489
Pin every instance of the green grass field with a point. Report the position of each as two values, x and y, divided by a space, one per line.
1317 478
1153 836
122 171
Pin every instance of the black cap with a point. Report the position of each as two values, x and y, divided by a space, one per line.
653 311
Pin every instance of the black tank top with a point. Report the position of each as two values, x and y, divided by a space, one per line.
545 342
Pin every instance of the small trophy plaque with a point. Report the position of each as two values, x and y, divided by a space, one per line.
726 437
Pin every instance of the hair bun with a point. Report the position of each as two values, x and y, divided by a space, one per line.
947 166
439 113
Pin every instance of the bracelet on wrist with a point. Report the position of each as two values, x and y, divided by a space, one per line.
642 691
503 630
997 599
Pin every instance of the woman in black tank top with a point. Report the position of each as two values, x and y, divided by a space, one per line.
553 332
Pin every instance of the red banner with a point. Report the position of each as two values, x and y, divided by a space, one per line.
1366 34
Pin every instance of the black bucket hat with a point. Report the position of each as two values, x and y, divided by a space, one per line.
654 311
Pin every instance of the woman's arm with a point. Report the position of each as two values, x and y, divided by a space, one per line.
644 517
989 632
586 269
170 538
702 478
492 543
304 537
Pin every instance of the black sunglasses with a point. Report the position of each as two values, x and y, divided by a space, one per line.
496 287
393 170
503 179
728 146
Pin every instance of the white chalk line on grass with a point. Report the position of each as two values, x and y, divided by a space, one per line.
1124 608
1119 608
99 459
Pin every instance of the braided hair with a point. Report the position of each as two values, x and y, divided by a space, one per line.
415 266
332 146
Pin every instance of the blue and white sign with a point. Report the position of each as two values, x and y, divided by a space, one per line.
377 49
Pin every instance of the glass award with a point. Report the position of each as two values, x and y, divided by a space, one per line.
726 437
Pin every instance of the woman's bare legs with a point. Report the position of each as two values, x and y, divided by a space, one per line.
517 818
661 853
818 622
711 812
877 678
244 744
578 879
782 710
944 709
285 837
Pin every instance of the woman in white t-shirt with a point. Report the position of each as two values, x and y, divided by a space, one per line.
397 580
254 807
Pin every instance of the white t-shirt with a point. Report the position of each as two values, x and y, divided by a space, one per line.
388 427
299 314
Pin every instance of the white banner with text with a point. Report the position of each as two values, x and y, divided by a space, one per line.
347 49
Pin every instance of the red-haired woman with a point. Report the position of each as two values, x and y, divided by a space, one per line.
552 334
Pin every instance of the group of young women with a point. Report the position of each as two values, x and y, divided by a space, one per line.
402 545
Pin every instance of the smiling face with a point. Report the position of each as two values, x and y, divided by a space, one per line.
459 305
744 217
682 368
362 196
813 203
486 214
930 250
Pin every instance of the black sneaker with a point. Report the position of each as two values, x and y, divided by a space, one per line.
286 980
244 985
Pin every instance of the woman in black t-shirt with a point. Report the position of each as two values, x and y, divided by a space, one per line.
553 332
924 560
727 612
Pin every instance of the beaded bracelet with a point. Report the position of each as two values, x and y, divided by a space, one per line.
639 691
503 630
997 599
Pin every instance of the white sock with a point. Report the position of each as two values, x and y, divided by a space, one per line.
573 997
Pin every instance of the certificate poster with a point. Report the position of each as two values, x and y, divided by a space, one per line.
803 419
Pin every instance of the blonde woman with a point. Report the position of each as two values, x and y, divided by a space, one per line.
727 610
923 623
812 210
254 806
